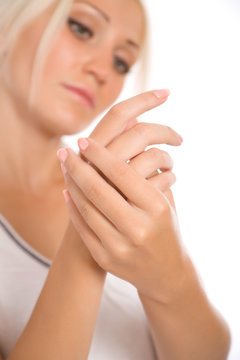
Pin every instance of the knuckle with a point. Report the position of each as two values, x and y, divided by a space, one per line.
165 156
154 153
104 262
116 110
142 129
118 169
120 253
84 211
140 236
161 208
92 191
161 157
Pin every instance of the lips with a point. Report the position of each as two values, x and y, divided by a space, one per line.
82 94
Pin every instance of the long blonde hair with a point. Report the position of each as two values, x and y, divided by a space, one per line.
16 14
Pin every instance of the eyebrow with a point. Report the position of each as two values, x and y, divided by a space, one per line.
132 43
106 18
103 14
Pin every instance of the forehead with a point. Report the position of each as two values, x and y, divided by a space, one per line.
126 16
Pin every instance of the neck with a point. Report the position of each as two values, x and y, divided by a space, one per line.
27 153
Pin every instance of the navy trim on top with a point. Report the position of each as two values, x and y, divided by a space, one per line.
22 247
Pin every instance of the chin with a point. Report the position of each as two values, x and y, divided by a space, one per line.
66 120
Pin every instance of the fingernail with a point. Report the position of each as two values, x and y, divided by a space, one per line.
66 195
83 144
160 94
181 139
62 155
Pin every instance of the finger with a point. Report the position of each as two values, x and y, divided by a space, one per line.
96 221
150 160
103 196
130 124
136 139
128 181
168 193
90 240
118 117
163 181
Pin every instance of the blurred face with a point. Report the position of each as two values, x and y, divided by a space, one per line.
86 66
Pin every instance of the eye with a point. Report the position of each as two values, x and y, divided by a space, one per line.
79 29
121 65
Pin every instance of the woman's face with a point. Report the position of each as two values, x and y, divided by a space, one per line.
93 52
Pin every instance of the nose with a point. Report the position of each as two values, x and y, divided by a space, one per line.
99 66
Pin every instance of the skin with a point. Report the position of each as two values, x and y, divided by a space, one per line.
38 133
132 231
36 181
55 113
59 312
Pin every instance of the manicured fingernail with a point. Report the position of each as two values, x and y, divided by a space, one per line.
62 154
66 195
181 139
83 144
161 94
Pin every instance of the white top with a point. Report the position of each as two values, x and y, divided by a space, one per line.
122 331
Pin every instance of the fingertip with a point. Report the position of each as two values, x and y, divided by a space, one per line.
62 154
180 138
66 195
161 94
83 144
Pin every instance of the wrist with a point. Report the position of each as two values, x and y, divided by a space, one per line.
74 251
183 285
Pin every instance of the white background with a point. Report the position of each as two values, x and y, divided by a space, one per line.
195 53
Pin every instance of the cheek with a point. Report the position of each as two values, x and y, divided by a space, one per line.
61 59
114 89
65 62
20 66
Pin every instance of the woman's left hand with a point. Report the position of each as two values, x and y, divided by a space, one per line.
136 238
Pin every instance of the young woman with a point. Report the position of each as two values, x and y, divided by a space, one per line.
62 63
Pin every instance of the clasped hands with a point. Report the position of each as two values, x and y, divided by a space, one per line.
128 223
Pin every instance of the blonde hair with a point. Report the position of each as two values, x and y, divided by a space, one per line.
145 51
16 14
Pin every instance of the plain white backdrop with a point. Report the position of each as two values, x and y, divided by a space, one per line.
195 52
